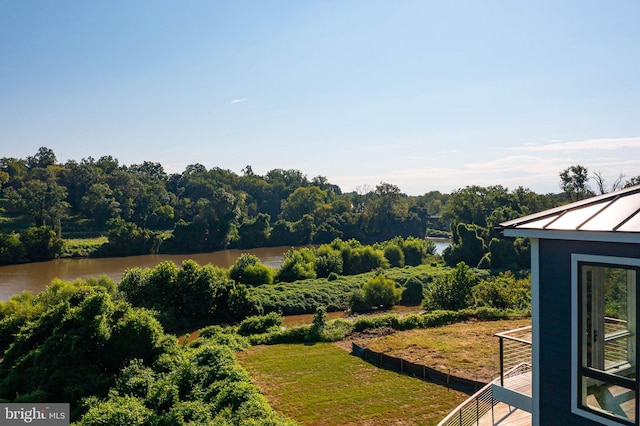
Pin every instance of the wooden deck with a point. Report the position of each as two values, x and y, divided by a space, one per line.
504 415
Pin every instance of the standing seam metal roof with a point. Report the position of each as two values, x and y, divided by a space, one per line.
614 212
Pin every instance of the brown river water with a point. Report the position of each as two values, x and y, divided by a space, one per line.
34 277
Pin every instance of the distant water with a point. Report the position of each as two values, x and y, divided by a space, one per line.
441 244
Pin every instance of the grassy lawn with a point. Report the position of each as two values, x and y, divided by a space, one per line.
79 247
322 384
467 349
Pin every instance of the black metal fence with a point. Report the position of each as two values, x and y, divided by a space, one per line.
417 370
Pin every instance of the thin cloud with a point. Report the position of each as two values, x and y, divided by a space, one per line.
608 144
237 101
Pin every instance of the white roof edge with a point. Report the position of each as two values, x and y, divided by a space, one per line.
604 237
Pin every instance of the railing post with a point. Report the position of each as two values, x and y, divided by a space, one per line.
501 361
477 411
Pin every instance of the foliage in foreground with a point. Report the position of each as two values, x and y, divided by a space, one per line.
115 365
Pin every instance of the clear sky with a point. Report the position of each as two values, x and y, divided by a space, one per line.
426 95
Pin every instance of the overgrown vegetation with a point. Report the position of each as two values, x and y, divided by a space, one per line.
142 209
103 347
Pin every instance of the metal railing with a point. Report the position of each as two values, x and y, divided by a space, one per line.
515 360
472 410
515 349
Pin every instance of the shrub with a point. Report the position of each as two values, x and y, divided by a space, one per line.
451 292
260 324
297 265
357 302
328 261
413 292
393 253
249 270
503 292
416 249
381 291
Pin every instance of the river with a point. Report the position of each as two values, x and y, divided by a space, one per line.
34 277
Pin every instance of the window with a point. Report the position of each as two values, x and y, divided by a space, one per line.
606 338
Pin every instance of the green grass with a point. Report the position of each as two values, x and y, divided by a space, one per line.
322 384
82 247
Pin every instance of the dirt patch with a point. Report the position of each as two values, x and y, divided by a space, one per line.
469 349
361 337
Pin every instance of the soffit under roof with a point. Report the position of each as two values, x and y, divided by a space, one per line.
614 212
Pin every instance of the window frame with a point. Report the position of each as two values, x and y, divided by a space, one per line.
576 339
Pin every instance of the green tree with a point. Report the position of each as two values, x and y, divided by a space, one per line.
44 201
254 232
394 254
44 158
99 203
467 245
11 249
127 238
75 349
249 270
297 265
41 243
451 292
303 201
381 292
574 182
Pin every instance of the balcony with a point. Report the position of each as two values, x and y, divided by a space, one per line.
507 399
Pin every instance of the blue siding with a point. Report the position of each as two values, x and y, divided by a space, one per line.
555 324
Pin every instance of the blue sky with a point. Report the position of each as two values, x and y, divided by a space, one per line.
427 95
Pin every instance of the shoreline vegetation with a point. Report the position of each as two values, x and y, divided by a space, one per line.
151 376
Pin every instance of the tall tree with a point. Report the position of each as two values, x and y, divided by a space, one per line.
574 182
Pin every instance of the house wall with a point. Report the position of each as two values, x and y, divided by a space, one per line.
555 323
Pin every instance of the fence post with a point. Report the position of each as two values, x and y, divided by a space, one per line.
501 361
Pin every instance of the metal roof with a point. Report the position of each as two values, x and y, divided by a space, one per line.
616 212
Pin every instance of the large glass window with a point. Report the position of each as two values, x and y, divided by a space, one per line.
607 340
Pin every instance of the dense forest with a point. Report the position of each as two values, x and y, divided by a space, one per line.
141 209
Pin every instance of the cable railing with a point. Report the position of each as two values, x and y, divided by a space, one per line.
515 349
472 410
515 367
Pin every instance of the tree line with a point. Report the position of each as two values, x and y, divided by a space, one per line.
142 209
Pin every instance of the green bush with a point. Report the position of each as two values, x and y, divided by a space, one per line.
381 292
260 324
297 265
393 253
413 292
416 250
451 292
503 292
249 270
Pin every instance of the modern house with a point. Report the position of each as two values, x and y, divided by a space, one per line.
585 271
